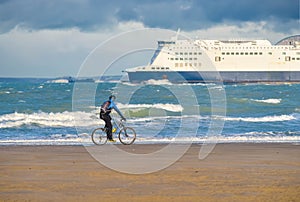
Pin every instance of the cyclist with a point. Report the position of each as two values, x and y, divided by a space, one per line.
106 109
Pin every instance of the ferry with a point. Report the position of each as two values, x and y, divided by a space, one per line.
232 61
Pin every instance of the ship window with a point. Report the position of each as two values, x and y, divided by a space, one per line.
251 53
270 53
227 53
195 58
181 58
242 53
157 67
199 53
232 53
217 58
298 53
181 53
176 58
223 53
167 68
287 58
195 53
260 53
176 53
152 67
186 64
293 58
162 68
191 58
283 53
181 64
190 53
237 53
246 53
172 58
185 53
176 64
255 53
298 58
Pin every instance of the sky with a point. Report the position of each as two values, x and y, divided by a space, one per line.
40 38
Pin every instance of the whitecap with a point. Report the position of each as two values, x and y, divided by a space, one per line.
44 119
262 119
59 81
269 101
167 107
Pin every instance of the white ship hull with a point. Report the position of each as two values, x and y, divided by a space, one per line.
183 61
207 77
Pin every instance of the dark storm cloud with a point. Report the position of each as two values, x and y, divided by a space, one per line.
188 15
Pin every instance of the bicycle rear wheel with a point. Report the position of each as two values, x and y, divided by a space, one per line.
99 136
127 135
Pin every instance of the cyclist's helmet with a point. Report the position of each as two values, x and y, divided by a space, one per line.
112 97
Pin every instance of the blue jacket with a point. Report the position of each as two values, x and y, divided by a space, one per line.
107 107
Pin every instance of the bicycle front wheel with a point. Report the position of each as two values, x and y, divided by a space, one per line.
99 136
127 135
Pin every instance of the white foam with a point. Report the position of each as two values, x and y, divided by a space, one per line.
167 107
84 139
59 119
269 101
59 81
262 119
158 82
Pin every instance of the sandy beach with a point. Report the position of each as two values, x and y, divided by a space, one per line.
232 172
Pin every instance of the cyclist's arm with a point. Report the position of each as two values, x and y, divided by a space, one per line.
112 105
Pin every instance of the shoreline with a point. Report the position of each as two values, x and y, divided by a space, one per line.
3 143
231 172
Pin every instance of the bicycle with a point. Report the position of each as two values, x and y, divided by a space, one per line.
127 135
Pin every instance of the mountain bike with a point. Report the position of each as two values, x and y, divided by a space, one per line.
126 134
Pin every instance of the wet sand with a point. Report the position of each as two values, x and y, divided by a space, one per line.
231 172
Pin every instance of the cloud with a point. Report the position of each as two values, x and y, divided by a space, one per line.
51 53
245 30
170 14
52 38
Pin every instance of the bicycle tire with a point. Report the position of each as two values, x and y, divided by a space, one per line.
99 136
127 135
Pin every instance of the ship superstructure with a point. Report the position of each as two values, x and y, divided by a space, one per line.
221 60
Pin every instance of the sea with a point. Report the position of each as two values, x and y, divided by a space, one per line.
41 111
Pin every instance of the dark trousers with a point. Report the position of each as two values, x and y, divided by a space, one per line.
108 125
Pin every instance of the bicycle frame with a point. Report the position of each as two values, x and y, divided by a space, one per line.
117 123
126 135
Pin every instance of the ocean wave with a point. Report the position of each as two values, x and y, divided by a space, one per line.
158 82
167 107
91 119
269 101
262 119
166 83
58 81
85 139
43 119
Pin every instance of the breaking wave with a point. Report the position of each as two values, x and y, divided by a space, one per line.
269 101
167 107
43 119
262 119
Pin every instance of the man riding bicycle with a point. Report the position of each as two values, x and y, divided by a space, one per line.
106 109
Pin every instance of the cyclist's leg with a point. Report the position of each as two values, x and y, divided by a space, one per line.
108 125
